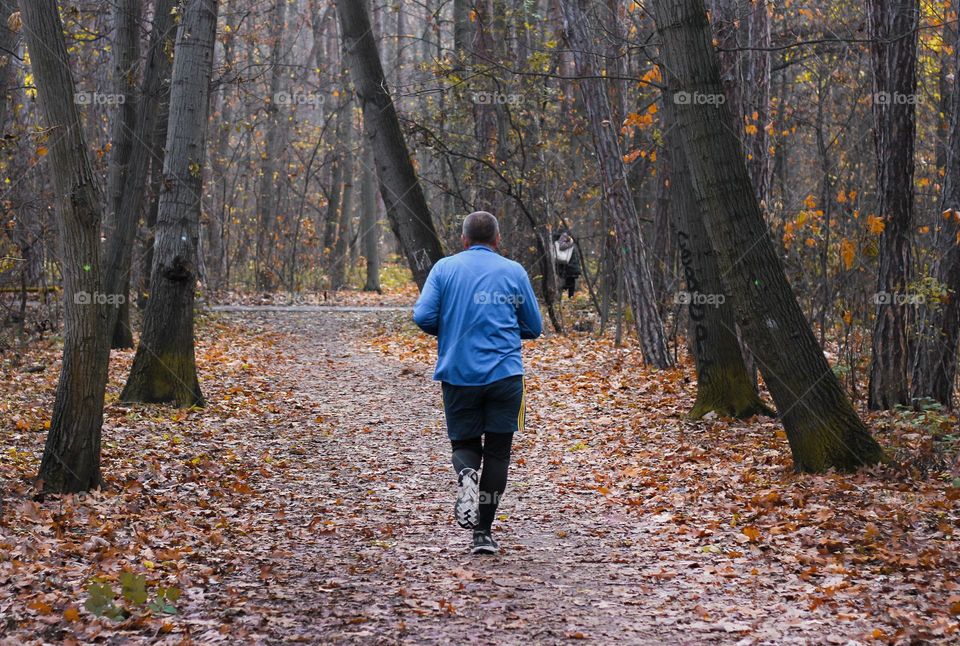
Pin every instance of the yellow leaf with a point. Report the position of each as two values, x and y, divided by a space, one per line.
847 253
848 317
42 151
810 202
71 614
875 224
750 129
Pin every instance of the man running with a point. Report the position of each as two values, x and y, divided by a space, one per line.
479 305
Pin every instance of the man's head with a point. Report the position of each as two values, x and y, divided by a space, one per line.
481 227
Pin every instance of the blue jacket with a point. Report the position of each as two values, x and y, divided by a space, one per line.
479 305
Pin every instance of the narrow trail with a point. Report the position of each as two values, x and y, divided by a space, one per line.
368 550
363 548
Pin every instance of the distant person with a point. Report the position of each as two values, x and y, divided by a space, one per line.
480 305
567 260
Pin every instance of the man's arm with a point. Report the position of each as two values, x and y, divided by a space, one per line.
528 310
426 313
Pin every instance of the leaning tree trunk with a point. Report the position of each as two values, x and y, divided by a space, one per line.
822 426
164 367
935 369
402 194
71 456
893 31
616 191
724 384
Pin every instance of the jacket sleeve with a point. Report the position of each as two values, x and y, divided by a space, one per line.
426 312
528 310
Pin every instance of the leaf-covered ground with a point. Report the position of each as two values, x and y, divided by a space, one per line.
311 501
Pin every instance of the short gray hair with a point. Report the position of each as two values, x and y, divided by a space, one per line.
481 227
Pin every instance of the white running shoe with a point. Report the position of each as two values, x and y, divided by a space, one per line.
467 508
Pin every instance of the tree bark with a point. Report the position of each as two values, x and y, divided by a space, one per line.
822 427
616 191
370 220
164 367
724 384
893 30
126 72
127 184
71 455
402 194
935 366
8 71
341 248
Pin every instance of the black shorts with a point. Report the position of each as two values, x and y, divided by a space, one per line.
474 410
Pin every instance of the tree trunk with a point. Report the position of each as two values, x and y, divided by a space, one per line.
822 427
724 384
616 191
341 248
164 368
71 455
402 195
935 367
462 30
128 175
126 64
8 71
370 220
217 228
893 30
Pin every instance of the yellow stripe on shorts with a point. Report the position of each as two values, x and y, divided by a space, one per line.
523 402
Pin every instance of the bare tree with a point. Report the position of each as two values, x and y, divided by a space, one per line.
616 192
822 426
893 32
935 367
71 456
402 194
164 367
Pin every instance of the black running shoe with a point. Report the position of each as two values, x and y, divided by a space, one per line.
483 542
467 508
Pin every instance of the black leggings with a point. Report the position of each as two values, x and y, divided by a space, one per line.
495 453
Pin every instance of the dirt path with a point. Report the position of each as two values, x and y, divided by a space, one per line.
363 547
368 550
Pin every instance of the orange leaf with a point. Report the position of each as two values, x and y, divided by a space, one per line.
752 533
847 252
875 224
